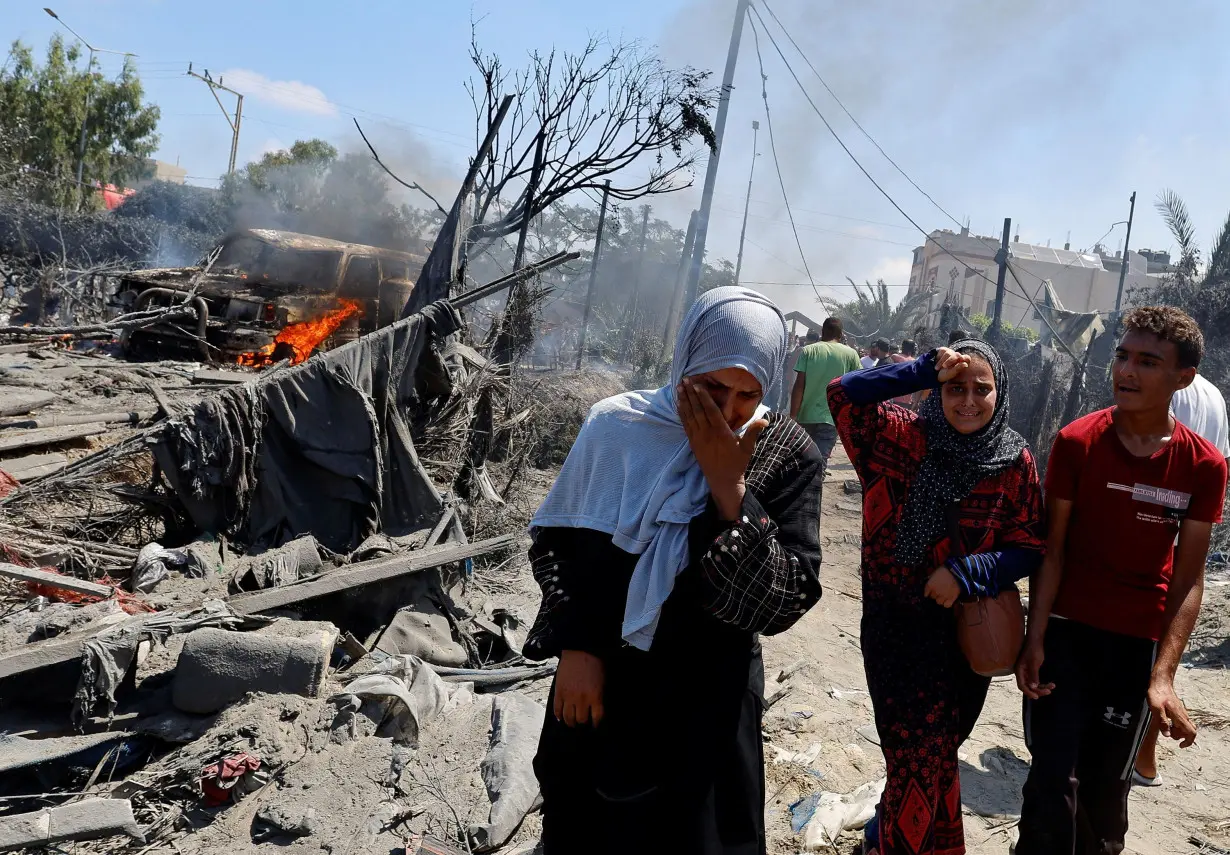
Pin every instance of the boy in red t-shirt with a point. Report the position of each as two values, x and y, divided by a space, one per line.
1116 597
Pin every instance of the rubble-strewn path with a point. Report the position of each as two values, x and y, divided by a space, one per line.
828 704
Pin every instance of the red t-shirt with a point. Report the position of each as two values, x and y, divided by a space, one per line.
1125 515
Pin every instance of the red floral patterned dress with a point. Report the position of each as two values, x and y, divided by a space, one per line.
925 696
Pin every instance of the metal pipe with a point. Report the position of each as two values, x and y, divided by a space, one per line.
202 314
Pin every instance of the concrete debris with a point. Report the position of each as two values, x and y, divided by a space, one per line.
106 657
83 820
17 752
217 667
17 401
255 618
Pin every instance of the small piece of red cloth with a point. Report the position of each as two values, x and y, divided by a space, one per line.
218 780
7 483
130 603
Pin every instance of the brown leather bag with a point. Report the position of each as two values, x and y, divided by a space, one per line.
990 630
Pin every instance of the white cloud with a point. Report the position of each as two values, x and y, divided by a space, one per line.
894 271
292 95
271 145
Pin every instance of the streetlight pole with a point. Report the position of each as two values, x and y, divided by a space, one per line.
1123 267
747 202
89 90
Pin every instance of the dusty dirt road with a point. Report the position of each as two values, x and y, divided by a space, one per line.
828 705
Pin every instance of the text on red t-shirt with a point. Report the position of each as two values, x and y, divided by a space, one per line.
1126 513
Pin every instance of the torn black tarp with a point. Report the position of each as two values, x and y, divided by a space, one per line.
321 448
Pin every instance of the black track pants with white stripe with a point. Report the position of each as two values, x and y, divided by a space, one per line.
1084 737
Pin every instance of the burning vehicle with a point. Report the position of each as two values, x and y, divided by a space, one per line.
271 295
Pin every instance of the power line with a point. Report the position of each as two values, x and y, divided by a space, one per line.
819 229
823 213
764 92
886 194
851 115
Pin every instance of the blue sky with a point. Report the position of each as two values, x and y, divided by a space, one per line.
1047 111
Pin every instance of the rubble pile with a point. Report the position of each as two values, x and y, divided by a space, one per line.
243 608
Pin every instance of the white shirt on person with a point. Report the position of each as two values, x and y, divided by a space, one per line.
867 362
1202 408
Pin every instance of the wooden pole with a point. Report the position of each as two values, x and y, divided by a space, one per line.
681 278
593 271
630 314
1002 258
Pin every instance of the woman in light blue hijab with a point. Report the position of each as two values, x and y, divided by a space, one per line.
684 523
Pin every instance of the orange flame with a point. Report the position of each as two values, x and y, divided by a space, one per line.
302 338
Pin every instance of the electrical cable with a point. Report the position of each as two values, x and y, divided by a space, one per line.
764 92
851 115
884 192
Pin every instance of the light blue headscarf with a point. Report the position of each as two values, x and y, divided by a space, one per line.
631 472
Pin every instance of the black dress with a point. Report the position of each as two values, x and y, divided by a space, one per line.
677 764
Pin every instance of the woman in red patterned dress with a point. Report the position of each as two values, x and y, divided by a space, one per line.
955 466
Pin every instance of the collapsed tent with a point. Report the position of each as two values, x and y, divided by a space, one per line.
322 448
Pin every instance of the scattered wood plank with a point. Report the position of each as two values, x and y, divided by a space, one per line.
63 419
34 465
84 820
55 580
164 404
365 573
18 400
19 439
213 375
23 347
56 651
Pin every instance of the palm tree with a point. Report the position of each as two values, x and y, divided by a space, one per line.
871 315
1188 269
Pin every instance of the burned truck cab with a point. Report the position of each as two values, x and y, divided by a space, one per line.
268 288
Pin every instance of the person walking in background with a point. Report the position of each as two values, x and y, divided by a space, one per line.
952 509
787 384
816 366
1201 408
684 522
907 352
1115 600
877 354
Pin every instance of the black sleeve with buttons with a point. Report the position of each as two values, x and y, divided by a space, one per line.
759 573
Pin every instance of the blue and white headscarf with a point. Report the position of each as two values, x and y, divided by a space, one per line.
631 473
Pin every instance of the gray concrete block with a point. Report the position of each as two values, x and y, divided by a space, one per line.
217 667
84 820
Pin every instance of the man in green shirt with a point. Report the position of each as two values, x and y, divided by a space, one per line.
817 365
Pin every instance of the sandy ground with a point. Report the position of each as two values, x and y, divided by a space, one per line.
828 705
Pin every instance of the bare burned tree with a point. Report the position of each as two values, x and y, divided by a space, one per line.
593 115
597 112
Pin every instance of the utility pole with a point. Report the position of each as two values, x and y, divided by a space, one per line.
1002 258
89 91
719 132
747 203
630 314
593 270
234 122
1124 266
681 277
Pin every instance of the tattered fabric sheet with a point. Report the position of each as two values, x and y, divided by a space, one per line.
321 448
